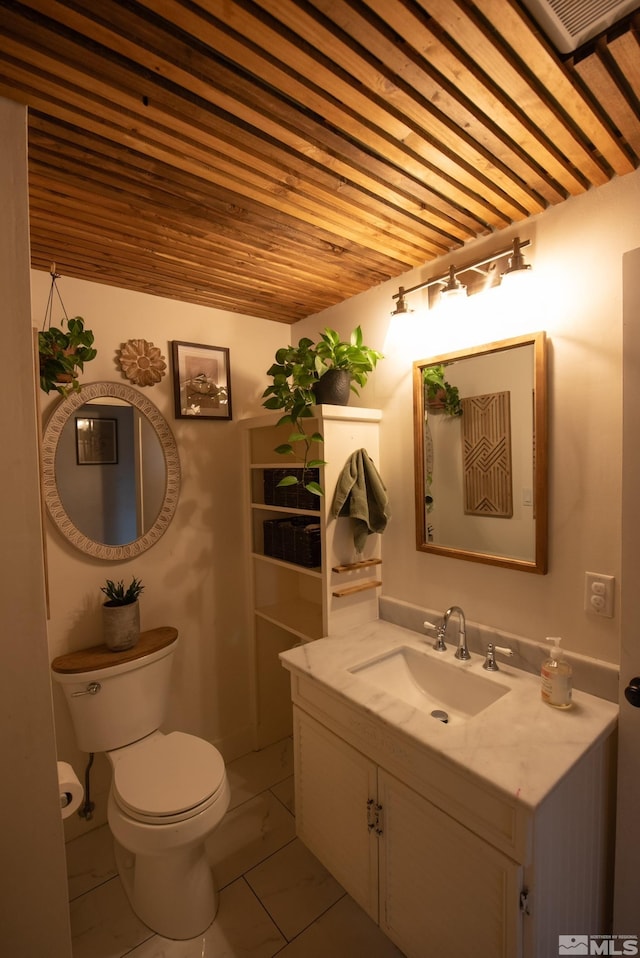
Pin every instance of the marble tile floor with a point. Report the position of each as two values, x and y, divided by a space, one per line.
275 896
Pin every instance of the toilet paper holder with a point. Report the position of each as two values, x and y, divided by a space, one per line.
70 791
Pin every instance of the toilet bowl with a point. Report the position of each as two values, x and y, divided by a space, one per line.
168 794
169 791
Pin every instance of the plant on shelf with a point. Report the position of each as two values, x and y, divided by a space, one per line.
297 374
117 594
353 360
62 350
294 373
440 394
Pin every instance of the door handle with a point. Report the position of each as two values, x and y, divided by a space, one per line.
632 692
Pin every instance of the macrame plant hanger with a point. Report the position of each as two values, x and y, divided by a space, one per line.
48 312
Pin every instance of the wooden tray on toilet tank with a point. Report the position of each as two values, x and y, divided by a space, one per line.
100 657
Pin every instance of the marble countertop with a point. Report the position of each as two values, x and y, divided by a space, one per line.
518 744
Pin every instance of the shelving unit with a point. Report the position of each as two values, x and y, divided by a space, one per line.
291 603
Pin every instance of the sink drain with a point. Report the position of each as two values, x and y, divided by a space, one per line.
440 715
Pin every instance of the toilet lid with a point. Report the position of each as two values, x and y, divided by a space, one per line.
170 775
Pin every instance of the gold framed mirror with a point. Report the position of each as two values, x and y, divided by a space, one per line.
110 471
480 447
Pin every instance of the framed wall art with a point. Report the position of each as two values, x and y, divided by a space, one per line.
96 442
201 381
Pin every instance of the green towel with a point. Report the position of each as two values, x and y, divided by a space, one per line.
362 495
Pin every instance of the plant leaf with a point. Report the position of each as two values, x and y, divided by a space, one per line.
288 481
316 462
313 487
284 450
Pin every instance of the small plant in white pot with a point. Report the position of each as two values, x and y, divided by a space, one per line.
121 614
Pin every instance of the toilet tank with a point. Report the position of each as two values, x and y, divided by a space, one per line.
133 691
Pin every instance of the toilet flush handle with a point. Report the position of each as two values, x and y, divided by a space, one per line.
92 689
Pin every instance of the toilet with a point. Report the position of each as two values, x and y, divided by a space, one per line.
169 790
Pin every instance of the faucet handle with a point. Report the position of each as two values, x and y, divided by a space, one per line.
490 663
439 644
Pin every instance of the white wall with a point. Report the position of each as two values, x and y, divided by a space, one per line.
194 576
34 916
575 294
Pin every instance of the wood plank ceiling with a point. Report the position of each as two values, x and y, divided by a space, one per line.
275 157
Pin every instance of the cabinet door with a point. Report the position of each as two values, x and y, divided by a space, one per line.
444 893
334 782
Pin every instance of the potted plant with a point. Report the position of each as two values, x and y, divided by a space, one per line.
440 394
121 614
339 363
297 374
63 352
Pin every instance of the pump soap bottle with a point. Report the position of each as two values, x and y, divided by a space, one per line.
556 678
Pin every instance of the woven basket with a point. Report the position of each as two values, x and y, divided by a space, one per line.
292 497
294 539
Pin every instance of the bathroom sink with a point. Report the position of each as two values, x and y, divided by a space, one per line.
432 686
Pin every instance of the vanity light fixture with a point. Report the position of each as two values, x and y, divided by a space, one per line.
401 306
475 275
452 289
517 262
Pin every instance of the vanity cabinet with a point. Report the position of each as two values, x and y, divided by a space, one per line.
434 887
292 603
448 864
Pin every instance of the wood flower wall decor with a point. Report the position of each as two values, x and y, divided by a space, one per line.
141 362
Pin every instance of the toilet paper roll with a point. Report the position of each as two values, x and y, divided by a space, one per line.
69 788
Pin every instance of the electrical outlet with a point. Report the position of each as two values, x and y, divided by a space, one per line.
598 594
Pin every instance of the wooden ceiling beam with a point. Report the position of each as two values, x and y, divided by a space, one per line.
313 86
510 21
209 79
389 94
457 66
516 79
600 80
625 50
300 200
174 242
274 157
403 64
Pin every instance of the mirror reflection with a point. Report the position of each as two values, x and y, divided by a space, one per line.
111 473
480 452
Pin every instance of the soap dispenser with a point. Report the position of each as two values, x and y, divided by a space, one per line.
556 678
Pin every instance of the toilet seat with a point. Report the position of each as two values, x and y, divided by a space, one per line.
168 778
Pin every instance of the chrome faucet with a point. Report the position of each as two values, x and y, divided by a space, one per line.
462 652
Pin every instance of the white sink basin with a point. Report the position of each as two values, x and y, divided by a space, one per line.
429 684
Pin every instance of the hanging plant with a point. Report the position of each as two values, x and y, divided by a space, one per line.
63 350
440 394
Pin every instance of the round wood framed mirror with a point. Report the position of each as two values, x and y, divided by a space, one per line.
110 471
